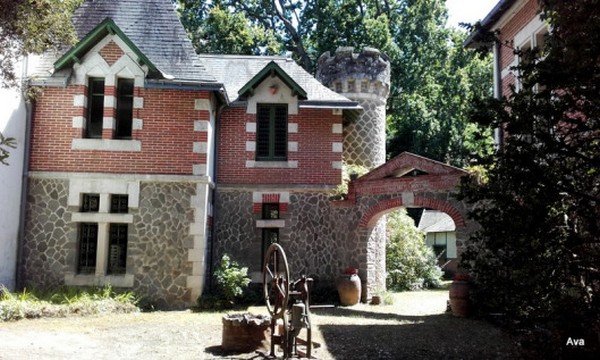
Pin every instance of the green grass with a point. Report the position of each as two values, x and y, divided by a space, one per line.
64 302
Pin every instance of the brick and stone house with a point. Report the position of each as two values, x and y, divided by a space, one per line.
148 162
518 26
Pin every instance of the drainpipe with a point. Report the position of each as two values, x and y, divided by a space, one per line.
19 281
498 132
214 197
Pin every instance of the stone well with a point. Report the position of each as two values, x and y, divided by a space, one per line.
245 332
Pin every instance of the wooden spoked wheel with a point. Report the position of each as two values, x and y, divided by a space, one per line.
276 280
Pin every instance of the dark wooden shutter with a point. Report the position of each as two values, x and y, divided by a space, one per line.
262 132
271 132
280 132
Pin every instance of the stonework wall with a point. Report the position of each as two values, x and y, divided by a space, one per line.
159 247
50 237
364 142
159 241
320 239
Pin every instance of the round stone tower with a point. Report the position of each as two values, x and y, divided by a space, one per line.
363 77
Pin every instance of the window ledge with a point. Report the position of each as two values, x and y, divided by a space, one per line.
102 217
106 145
125 280
290 164
270 223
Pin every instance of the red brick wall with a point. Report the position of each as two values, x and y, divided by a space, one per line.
167 136
507 34
314 153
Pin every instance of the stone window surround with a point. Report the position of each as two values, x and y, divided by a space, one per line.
94 65
105 188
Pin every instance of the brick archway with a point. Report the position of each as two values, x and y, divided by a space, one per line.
372 214
408 180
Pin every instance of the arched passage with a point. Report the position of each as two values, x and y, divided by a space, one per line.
372 214
408 181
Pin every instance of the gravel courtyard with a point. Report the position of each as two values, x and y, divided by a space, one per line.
415 327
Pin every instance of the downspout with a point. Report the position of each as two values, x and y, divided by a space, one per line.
498 132
19 281
214 198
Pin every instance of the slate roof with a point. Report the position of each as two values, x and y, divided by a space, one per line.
153 26
235 71
433 221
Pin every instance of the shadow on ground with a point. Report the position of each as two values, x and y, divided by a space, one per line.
439 336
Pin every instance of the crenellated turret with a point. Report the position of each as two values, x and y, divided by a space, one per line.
365 78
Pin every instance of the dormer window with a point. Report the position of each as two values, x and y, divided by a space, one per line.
124 108
95 111
271 132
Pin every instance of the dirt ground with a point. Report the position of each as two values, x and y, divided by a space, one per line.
415 327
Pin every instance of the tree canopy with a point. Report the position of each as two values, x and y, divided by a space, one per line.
31 27
433 78
536 259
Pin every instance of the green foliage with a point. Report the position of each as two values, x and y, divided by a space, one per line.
410 263
341 191
32 26
536 259
6 142
65 302
231 279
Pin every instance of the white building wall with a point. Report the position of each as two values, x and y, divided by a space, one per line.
12 124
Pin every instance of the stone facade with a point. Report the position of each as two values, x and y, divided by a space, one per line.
159 241
50 239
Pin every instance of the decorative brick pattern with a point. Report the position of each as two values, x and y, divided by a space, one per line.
111 53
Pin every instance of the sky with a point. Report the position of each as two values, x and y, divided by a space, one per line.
468 11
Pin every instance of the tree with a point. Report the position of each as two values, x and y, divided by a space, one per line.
31 27
536 258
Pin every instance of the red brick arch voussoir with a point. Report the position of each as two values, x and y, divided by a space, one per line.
370 217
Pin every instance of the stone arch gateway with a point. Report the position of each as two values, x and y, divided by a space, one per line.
408 180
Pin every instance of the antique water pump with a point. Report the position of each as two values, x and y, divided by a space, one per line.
289 306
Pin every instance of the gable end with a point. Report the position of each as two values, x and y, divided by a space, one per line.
106 27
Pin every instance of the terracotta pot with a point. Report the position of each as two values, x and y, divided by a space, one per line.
459 298
349 289
376 300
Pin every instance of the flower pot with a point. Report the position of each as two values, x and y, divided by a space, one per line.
349 289
376 300
459 298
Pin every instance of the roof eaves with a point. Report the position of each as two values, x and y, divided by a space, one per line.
346 105
475 38
103 29
272 69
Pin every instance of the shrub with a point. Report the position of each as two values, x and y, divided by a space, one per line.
411 264
231 279
341 191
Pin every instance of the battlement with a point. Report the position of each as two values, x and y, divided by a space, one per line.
364 75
